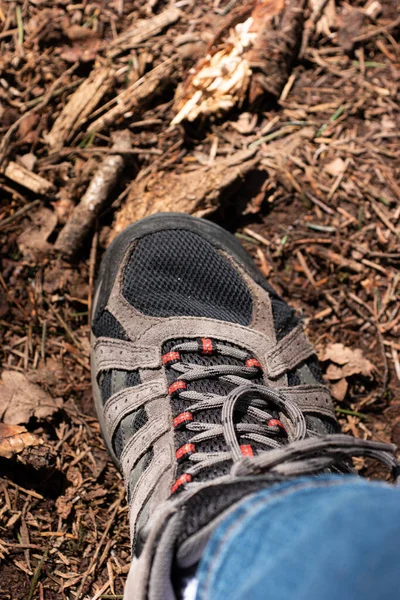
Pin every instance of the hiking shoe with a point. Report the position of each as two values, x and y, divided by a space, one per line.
205 386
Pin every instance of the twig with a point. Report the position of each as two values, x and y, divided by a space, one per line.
310 24
95 199
143 30
93 560
46 98
305 268
18 213
137 94
337 259
64 325
367 36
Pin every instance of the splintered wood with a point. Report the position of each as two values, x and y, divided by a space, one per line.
196 192
252 57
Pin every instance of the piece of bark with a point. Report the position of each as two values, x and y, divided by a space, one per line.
27 179
96 196
14 439
196 192
274 51
80 106
137 94
143 30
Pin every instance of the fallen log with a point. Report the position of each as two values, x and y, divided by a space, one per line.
249 57
196 192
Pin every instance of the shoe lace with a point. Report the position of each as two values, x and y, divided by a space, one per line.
285 448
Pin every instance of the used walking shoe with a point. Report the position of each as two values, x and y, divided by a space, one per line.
206 389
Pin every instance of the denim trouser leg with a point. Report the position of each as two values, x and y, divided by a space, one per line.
326 538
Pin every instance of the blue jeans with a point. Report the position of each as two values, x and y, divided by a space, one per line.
327 538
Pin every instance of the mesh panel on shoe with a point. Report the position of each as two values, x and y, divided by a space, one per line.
106 325
211 502
179 273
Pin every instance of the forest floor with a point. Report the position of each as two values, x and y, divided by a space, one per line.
307 179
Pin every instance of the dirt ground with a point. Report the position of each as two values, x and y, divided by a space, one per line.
307 179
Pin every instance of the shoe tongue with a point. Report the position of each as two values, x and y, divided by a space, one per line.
207 385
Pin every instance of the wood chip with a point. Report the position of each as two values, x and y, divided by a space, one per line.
137 94
27 179
14 439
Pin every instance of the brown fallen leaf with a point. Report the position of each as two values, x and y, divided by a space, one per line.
352 22
34 239
78 32
14 439
347 362
20 399
336 167
82 51
339 389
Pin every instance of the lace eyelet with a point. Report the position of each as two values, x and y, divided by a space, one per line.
185 478
181 420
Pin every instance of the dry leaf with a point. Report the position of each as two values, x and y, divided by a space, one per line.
82 50
339 389
14 439
351 362
34 238
352 22
336 167
20 399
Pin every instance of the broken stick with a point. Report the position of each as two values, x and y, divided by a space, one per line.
143 30
137 94
27 179
80 106
96 196
254 57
